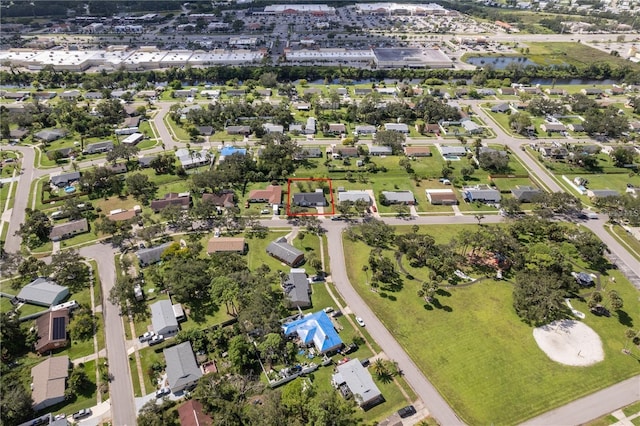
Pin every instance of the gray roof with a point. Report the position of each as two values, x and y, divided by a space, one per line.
377 149
489 150
601 193
146 161
284 251
50 135
182 369
366 129
309 153
309 199
296 288
359 381
151 255
69 228
162 316
453 150
397 127
353 196
43 291
525 194
482 194
399 196
64 178
101 146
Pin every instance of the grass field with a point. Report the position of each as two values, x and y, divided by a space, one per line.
467 347
570 53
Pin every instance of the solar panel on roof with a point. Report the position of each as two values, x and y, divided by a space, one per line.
59 328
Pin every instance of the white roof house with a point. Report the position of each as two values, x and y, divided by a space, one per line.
354 196
163 318
353 379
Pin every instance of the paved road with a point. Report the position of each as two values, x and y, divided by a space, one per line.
588 408
123 410
13 242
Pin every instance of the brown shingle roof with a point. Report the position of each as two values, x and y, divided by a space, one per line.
272 194
226 244
125 215
48 336
171 199
192 414
417 150
49 379
220 200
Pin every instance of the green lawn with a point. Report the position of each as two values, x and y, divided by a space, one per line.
86 400
137 392
467 348
148 357
629 241
631 409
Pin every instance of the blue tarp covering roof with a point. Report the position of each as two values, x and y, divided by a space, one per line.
315 328
230 150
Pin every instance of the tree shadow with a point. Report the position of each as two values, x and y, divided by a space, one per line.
624 318
443 292
427 307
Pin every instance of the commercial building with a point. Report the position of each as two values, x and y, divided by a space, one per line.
411 57
298 9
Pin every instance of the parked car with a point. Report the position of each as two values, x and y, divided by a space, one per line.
360 321
328 309
162 392
265 211
146 336
352 347
407 411
156 339
336 314
85 412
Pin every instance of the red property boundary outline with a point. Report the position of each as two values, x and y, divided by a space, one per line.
326 213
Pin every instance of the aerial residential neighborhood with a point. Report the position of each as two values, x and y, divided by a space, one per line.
323 213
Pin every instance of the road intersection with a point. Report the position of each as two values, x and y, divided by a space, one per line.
123 408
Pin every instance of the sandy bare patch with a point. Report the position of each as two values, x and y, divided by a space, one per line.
570 342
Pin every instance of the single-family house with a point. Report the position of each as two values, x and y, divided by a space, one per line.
316 330
489 150
145 162
344 152
602 193
264 92
432 128
51 328
336 129
49 380
98 147
228 151
184 93
238 130
44 95
69 229
399 197
380 150
43 292
236 93
151 255
310 199
554 91
362 91
273 128
182 200
482 193
61 153
117 168
591 91
525 194
122 215
557 153
205 130
190 159
305 153
453 151
507 91
163 318
19 133
296 289
501 108
553 127
575 127
183 372
64 179
365 130
70 95
302 106
417 151
352 379
354 196
227 245
397 127
272 195
133 139
224 199
438 197
471 127
50 135
132 122
285 252
191 413
93 95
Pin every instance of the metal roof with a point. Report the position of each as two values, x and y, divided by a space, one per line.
315 328
43 291
162 316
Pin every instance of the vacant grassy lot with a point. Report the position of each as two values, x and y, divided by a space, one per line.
466 346
570 53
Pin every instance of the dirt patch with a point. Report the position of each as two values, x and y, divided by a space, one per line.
570 342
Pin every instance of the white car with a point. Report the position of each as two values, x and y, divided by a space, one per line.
146 336
360 321
162 392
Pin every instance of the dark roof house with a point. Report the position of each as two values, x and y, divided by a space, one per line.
285 252
525 194
183 372
64 179
309 199
297 289
52 330
182 200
